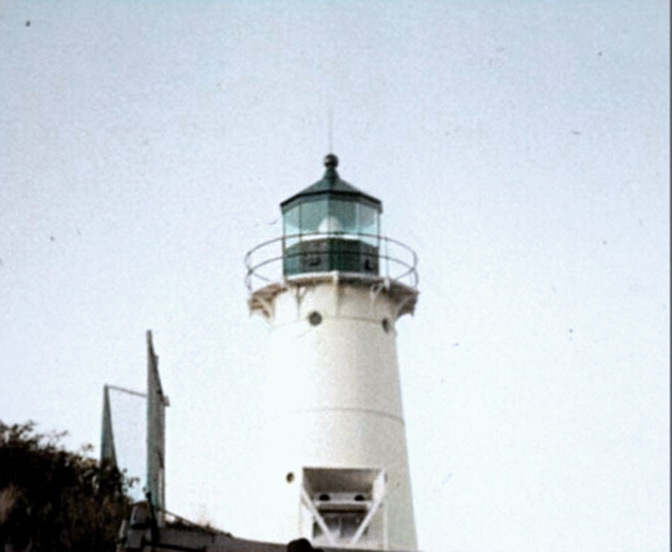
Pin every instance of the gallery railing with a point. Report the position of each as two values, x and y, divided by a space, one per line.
368 255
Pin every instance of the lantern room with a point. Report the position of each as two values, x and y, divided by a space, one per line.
331 226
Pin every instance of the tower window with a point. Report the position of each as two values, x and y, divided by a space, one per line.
315 318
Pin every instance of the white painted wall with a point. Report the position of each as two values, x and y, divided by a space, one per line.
334 400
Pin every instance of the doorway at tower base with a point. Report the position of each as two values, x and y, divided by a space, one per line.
344 507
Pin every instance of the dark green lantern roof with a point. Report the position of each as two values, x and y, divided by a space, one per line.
331 186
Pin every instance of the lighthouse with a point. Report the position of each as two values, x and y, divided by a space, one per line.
332 289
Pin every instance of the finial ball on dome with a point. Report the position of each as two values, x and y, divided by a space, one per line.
331 161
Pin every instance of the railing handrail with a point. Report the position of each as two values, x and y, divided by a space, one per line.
409 265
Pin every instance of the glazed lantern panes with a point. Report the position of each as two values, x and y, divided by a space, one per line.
290 226
312 216
369 224
329 216
343 216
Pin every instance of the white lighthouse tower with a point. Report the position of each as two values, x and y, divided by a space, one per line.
332 289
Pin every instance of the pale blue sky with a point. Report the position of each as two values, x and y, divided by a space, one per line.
520 147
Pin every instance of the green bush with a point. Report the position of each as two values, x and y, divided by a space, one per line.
52 499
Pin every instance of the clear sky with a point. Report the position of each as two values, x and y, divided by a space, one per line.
520 147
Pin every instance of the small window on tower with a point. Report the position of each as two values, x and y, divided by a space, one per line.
315 318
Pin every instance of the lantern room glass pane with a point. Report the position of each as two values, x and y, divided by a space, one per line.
343 216
290 226
313 213
368 224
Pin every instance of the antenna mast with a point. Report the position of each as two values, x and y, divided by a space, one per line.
331 130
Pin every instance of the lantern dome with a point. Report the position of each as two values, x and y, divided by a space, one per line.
331 186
